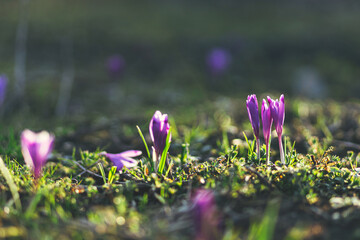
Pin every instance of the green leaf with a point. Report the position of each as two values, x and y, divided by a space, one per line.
102 171
111 175
164 154
146 146
13 188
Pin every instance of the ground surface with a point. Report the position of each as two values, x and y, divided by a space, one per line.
315 196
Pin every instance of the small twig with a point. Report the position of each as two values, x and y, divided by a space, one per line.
347 144
88 171
95 174
80 173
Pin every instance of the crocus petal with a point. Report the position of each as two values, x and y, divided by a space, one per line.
282 110
253 112
45 143
123 159
278 113
27 156
131 153
266 120
116 160
129 162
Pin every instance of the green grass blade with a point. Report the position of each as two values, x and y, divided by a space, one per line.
251 147
13 188
111 175
164 154
102 171
145 144
264 230
147 148
31 209
184 153
225 142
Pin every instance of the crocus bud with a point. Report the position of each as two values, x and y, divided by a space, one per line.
115 65
218 60
159 129
36 148
123 159
278 113
3 85
253 111
267 122
206 217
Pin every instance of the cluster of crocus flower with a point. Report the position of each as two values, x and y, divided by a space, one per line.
159 129
272 113
36 147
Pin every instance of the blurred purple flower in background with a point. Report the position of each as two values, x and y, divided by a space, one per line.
278 115
36 148
267 122
115 65
123 159
206 216
3 85
253 112
218 61
159 129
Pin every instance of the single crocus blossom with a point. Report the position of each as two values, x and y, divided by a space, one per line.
115 65
266 122
159 129
206 217
253 111
278 114
36 148
218 61
123 159
3 85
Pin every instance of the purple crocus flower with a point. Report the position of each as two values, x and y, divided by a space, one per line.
278 114
159 129
253 111
3 85
36 148
206 217
115 65
123 159
218 60
267 122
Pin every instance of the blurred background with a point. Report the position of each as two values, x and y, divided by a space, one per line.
68 58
